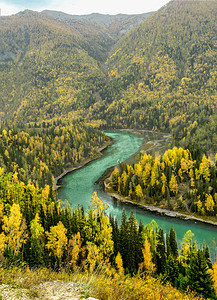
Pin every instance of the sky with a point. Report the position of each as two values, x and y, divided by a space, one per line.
81 7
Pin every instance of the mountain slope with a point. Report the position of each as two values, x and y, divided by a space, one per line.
164 73
96 38
161 75
45 69
115 25
51 63
100 32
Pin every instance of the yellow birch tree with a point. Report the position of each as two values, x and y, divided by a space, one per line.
57 240
14 228
75 249
147 264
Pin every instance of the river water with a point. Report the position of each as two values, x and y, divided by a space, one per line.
78 187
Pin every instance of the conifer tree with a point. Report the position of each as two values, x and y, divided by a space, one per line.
199 278
171 269
119 264
123 238
14 228
132 244
214 268
172 247
160 252
74 248
57 240
115 233
147 265
207 256
36 242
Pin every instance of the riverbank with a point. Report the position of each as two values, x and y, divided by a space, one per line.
151 144
82 164
154 145
161 211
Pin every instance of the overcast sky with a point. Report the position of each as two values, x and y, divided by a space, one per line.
80 7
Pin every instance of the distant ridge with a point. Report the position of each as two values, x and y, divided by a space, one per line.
117 25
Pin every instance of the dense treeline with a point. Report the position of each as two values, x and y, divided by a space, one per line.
175 181
144 249
37 229
40 154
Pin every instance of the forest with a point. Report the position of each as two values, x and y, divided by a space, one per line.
39 230
38 155
61 84
163 75
159 76
175 181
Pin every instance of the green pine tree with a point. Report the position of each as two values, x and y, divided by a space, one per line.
199 278
172 247
160 252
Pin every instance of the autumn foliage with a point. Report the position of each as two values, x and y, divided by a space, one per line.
39 231
40 154
174 181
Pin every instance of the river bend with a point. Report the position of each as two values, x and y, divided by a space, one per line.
78 187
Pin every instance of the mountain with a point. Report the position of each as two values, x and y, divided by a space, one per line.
115 25
51 63
100 31
97 38
163 74
46 70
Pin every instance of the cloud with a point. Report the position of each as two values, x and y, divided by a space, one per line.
106 6
8 9
82 6
27 3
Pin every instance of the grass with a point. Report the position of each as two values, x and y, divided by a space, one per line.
102 284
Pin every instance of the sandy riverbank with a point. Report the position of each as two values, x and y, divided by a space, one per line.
153 142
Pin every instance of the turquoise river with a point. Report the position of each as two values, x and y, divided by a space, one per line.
78 186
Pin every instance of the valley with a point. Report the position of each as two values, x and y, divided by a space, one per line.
69 83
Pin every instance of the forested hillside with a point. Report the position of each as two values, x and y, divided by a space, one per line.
174 181
97 38
51 66
46 71
159 76
163 74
